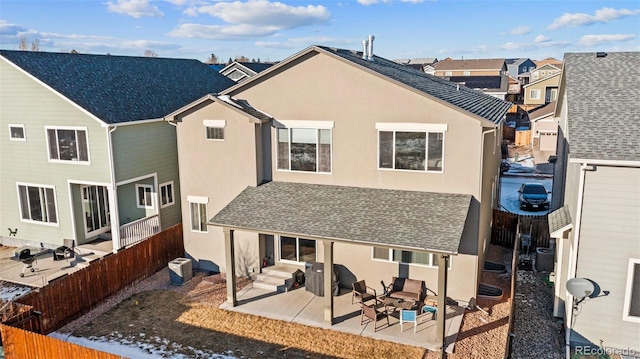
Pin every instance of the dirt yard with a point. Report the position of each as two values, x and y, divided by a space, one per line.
186 320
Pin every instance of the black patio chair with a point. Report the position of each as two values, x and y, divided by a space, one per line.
66 251
27 259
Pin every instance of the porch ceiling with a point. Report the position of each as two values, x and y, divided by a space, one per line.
424 221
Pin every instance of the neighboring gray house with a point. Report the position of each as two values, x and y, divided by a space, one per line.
240 71
84 150
596 197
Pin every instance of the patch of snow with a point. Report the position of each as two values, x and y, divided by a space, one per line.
133 349
10 291
509 196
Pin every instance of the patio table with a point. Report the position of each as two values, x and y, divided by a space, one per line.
398 303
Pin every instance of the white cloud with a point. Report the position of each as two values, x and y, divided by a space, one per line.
591 40
267 13
520 30
527 46
221 32
7 28
541 38
273 45
369 2
580 19
134 8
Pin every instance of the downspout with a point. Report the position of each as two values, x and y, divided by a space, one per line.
573 262
113 194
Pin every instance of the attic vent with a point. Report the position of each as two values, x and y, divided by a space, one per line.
601 54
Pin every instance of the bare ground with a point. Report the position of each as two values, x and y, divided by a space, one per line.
187 320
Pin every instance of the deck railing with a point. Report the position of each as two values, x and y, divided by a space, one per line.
138 230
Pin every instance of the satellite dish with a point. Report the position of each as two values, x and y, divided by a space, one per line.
580 287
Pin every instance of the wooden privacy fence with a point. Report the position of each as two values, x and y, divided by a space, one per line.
19 344
69 297
21 316
505 229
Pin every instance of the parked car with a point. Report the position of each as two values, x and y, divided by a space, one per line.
533 196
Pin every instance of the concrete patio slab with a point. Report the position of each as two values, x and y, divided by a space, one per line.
300 306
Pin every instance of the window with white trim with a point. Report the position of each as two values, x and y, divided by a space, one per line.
17 133
406 257
466 73
198 213
304 149
632 292
534 94
68 144
214 129
411 150
37 203
535 75
166 194
144 195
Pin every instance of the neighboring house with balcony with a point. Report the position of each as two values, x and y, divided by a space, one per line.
84 149
486 75
240 71
380 168
596 199
542 91
544 72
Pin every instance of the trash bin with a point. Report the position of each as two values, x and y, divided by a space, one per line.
180 271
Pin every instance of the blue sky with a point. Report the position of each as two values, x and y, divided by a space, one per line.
274 30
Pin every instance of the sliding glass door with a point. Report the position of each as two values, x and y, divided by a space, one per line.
297 250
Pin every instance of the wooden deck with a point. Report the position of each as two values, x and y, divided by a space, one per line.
300 306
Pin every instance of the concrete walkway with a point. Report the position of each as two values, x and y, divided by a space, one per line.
301 306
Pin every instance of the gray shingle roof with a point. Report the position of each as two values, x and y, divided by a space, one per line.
602 105
558 219
122 88
245 107
417 220
475 102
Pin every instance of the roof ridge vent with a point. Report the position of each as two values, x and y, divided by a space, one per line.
601 54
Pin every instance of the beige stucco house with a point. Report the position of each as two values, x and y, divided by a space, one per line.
379 168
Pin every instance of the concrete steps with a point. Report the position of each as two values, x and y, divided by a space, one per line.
277 278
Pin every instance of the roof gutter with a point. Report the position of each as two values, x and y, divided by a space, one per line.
617 163
134 122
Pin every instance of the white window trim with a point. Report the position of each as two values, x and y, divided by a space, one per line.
24 132
86 131
304 125
320 125
532 91
214 124
198 200
150 186
448 73
279 253
627 293
173 195
411 127
105 229
55 201
390 258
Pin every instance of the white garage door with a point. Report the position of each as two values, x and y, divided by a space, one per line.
548 141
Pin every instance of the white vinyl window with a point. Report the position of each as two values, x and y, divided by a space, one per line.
410 150
406 257
214 129
304 149
68 144
144 195
37 203
631 306
467 73
198 213
17 133
166 194
535 75
534 94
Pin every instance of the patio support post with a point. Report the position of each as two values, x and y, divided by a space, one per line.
328 282
443 265
230 261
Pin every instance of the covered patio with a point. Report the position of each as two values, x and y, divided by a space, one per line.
303 307
404 220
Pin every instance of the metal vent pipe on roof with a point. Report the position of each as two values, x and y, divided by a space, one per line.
601 54
365 44
370 51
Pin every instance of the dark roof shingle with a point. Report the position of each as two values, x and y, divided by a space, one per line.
475 102
408 219
122 88
602 105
